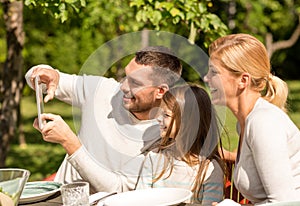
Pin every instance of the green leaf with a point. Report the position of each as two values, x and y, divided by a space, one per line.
202 8
137 3
62 7
176 20
166 5
83 3
28 2
71 1
174 12
139 15
190 15
64 16
156 17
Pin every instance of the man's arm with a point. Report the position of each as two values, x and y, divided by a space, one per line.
100 178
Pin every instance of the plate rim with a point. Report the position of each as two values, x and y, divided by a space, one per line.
40 196
157 188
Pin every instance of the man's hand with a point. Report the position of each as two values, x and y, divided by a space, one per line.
48 76
56 130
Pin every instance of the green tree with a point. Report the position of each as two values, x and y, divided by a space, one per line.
11 84
191 19
11 81
276 23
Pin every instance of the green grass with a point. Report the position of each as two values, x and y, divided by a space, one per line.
294 101
43 158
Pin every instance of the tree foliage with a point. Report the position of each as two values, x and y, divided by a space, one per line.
182 17
275 22
57 8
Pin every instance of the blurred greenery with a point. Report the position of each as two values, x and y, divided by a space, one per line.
42 158
39 157
294 101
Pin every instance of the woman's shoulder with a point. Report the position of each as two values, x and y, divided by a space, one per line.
264 110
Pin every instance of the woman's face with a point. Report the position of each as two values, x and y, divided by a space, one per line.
222 84
165 121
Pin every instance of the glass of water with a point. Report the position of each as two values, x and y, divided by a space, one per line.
75 194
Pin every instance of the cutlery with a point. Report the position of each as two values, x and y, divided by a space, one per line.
95 198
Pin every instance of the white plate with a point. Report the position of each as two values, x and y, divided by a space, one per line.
148 197
39 190
288 203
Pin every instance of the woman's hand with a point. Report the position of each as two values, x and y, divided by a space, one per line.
56 130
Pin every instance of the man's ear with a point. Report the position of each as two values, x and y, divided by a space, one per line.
162 89
245 80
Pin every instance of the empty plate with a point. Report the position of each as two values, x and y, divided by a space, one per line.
39 190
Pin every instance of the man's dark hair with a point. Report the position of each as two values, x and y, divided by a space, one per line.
159 56
166 66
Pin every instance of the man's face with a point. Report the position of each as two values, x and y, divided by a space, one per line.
140 94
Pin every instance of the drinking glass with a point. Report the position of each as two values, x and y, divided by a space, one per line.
12 182
75 194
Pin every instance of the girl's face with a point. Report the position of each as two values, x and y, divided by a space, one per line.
165 121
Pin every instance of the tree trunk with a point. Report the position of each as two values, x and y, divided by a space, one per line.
11 84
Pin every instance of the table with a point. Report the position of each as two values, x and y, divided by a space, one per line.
55 200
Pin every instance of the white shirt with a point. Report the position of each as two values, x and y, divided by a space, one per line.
111 135
268 168
183 176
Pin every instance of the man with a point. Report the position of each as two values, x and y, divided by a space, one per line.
116 119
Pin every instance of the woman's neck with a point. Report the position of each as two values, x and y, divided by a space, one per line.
243 105
241 109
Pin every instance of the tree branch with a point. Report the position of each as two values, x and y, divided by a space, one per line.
272 47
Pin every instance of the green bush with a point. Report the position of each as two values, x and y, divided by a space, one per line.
41 160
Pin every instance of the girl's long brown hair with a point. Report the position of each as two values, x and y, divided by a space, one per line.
197 135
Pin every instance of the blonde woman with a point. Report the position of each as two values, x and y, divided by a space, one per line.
268 160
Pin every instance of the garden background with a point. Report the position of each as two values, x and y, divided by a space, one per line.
64 34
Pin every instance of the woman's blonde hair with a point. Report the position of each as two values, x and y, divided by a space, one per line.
240 53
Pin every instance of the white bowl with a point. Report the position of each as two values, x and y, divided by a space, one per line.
149 197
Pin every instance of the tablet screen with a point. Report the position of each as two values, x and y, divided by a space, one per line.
39 100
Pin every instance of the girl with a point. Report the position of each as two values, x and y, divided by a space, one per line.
187 155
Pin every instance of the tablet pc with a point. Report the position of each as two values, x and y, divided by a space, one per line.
39 101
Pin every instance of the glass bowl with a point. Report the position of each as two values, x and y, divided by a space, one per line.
12 182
